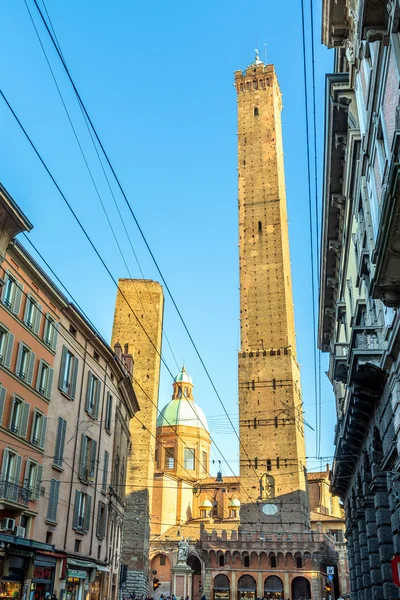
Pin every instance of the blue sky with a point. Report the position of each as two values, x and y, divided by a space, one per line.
157 81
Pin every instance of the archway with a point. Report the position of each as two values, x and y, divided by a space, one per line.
161 569
301 589
247 587
194 563
273 587
221 587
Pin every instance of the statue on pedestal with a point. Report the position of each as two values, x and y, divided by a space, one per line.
183 550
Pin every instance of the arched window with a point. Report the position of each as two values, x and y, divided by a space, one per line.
221 583
221 560
301 588
256 113
246 561
273 562
186 392
299 562
246 583
273 587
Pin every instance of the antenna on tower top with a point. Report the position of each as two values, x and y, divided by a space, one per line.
265 53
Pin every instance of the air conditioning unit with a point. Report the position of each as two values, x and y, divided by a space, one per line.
7 525
20 532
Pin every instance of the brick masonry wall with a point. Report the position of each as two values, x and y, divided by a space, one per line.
138 323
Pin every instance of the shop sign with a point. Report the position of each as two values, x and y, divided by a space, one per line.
77 574
42 573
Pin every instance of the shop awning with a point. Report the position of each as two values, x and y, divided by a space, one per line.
103 568
84 564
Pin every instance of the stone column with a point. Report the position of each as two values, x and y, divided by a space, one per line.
286 584
384 535
260 586
350 557
233 585
359 584
375 576
365 568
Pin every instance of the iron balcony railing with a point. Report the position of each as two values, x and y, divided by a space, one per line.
14 492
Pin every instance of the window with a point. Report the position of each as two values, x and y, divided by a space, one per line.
221 561
101 520
92 395
277 462
3 394
87 463
299 562
33 314
44 379
246 562
10 475
60 441
204 461
162 560
108 412
38 431
6 346
105 471
72 330
49 537
256 113
259 226
186 392
12 293
68 373
25 363
169 458
33 478
19 417
50 332
82 511
77 545
179 392
269 466
188 459
96 355
53 501
273 562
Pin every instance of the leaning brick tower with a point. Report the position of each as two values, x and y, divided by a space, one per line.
272 452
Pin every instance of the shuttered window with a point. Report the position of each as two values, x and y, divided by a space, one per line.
108 419
10 475
12 293
68 373
6 346
19 416
88 457
25 363
3 394
60 441
188 458
101 520
105 471
33 314
53 501
92 395
50 332
38 430
44 379
33 478
82 508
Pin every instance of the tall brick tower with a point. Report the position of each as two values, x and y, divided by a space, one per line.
138 325
272 452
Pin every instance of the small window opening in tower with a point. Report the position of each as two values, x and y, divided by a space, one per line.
276 421
179 392
299 562
273 562
246 561
259 226
221 560
269 466
277 462
256 113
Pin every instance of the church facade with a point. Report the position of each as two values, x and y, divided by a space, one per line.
272 532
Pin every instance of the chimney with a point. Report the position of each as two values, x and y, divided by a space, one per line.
118 350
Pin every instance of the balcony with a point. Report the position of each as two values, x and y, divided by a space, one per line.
338 367
367 345
13 493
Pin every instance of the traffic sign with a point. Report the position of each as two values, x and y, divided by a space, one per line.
330 577
330 570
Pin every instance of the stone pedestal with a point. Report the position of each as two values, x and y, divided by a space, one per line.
182 580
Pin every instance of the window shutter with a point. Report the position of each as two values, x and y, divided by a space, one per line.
3 291
23 424
19 355
93 456
98 526
83 457
38 482
97 399
39 374
11 413
27 305
105 471
88 508
60 440
53 500
74 377
61 384
17 469
3 392
43 432
49 383
9 349
27 465
17 298
4 464
32 358
55 336
109 411
88 388
38 318
76 509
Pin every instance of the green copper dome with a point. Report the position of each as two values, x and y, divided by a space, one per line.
182 412
183 377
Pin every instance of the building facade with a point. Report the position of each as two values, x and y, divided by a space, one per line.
360 280
66 401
